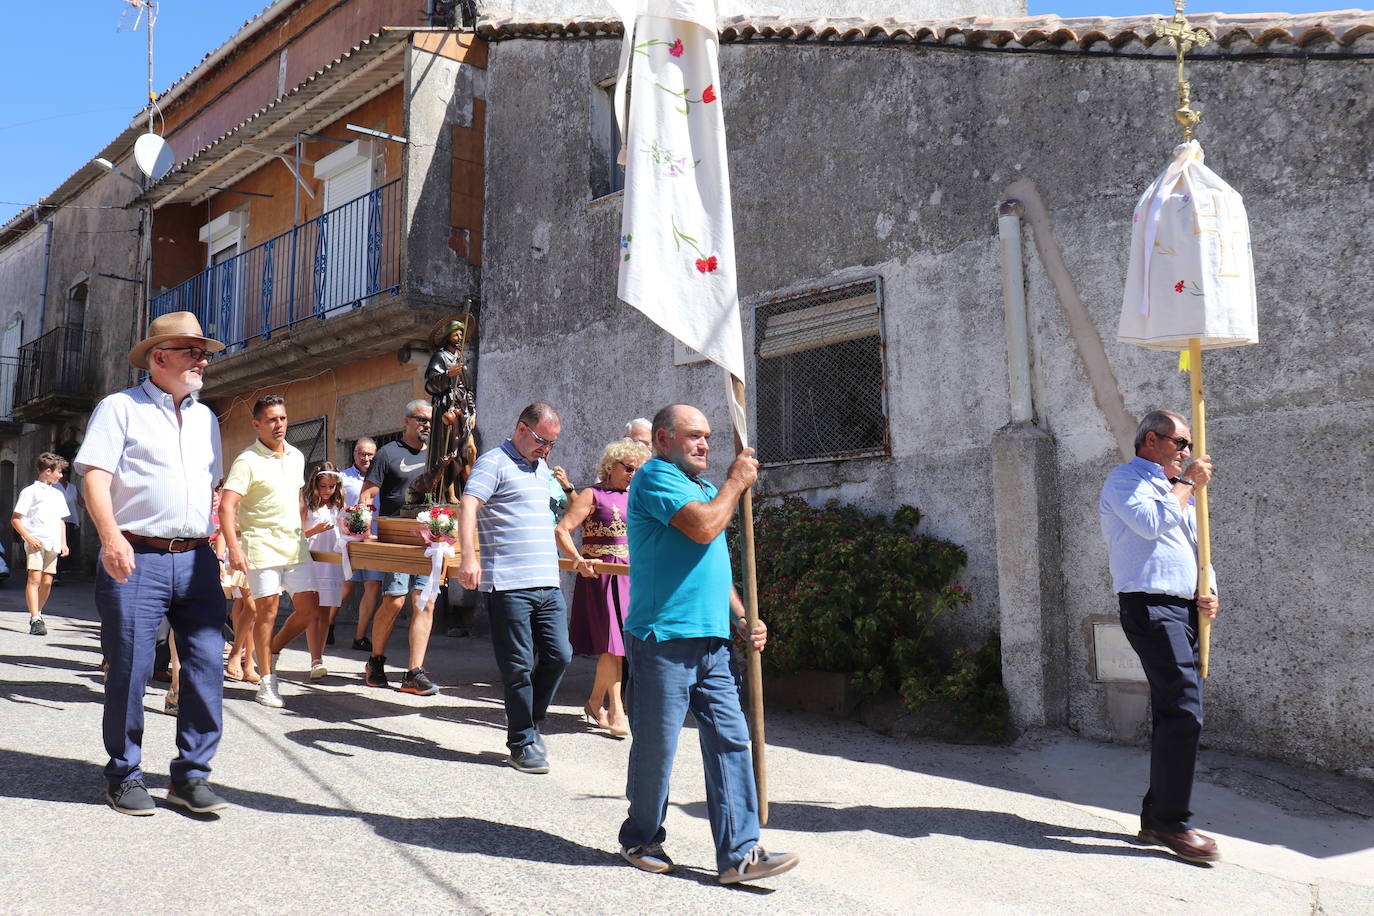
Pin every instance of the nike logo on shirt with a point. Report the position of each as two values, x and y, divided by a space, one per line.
407 468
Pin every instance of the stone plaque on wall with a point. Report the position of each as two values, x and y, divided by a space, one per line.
1114 658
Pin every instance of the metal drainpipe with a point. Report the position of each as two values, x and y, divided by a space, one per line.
1014 306
47 266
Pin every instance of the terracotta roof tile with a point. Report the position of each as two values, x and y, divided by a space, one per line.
1340 32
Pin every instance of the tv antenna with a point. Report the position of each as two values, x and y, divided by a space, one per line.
151 152
138 9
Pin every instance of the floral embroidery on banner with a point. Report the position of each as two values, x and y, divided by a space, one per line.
624 249
704 263
708 95
674 47
670 165
1191 286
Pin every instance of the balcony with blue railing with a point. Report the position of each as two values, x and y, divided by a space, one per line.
342 260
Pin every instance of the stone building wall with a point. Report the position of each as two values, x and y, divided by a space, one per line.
853 161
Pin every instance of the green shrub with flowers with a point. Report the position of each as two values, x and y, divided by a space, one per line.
845 590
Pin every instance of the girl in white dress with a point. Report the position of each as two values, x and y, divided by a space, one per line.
323 500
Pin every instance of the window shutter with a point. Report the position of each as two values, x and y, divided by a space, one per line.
819 325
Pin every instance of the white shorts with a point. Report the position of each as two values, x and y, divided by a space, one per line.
329 583
273 580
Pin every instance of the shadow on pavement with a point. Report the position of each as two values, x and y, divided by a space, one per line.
42 693
917 821
368 738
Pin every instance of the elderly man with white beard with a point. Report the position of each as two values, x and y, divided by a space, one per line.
151 460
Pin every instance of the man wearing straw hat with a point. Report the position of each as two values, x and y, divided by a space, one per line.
151 459
1150 524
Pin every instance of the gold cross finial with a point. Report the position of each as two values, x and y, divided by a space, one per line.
1183 37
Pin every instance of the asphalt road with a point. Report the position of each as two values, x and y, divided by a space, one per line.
364 799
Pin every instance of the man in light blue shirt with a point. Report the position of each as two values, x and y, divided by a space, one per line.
1150 525
151 460
506 506
677 644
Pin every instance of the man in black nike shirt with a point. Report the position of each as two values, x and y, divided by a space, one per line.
393 470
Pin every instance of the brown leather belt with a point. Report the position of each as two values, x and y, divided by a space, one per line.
166 545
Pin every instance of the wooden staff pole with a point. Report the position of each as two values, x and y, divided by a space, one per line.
751 609
1204 529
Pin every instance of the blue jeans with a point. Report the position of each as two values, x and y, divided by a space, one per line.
666 680
183 588
399 583
1163 631
529 634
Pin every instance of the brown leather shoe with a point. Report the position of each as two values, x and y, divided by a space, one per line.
1190 845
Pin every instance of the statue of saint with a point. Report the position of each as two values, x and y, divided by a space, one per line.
452 449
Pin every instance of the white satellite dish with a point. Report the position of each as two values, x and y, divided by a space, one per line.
153 155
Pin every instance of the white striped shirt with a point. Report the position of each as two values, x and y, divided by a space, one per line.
515 521
164 475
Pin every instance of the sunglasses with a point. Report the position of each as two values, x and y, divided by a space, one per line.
629 468
196 353
547 443
1181 444
423 421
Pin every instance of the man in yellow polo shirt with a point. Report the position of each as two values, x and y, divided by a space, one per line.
260 517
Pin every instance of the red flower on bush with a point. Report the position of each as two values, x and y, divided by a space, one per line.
1178 287
706 265
676 48
709 93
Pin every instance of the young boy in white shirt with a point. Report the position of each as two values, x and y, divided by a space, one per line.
38 517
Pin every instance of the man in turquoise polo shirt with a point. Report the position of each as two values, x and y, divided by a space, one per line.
677 643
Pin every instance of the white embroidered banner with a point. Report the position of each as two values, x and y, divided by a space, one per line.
1190 273
676 249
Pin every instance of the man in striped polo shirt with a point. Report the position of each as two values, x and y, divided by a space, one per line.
506 508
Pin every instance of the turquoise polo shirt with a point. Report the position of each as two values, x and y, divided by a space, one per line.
679 589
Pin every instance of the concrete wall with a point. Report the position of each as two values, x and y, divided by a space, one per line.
445 89
853 162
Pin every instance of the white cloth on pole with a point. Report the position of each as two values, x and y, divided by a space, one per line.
676 250
1190 273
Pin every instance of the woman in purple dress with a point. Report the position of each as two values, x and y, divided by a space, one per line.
600 602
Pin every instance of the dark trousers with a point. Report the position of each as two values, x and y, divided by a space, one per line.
183 588
529 635
1163 631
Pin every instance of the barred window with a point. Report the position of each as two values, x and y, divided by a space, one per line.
819 377
308 436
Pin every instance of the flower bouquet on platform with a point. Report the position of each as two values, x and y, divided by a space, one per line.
355 524
439 528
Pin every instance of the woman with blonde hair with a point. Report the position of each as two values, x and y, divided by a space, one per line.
600 602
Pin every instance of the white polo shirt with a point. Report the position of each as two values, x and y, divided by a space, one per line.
164 474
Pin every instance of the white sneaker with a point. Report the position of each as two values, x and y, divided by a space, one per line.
318 671
267 692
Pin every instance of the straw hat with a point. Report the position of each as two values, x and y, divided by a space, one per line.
438 335
170 327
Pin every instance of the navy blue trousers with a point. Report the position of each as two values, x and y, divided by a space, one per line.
529 636
184 588
1163 631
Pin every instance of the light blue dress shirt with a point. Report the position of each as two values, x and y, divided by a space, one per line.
1151 540
164 474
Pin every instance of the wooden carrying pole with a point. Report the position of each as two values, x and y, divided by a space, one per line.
1204 530
751 609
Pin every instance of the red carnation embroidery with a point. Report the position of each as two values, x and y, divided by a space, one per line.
709 93
706 265
1178 287
676 48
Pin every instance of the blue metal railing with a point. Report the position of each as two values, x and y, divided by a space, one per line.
340 259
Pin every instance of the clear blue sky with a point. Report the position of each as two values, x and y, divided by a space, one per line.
72 82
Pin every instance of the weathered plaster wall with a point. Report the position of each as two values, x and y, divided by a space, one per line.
850 162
